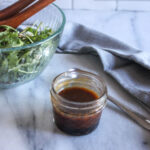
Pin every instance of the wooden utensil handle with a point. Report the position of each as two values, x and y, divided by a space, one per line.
21 17
14 9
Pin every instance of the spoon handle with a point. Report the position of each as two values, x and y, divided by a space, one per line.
140 119
14 9
27 13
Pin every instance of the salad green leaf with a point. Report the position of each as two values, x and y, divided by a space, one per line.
11 37
22 65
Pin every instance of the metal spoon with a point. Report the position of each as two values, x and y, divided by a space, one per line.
140 119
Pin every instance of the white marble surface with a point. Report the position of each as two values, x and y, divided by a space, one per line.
26 120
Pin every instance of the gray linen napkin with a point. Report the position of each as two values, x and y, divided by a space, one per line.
129 66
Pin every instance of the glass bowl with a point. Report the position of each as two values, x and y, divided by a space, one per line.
21 64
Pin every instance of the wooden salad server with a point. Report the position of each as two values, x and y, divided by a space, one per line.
18 19
14 9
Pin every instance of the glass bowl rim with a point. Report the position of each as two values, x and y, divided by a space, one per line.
59 30
104 92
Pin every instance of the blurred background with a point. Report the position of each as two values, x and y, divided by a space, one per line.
133 5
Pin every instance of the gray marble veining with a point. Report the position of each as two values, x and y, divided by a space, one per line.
26 120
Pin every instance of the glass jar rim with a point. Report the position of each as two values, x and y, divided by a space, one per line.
104 92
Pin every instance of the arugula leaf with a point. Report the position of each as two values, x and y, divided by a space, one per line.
11 37
18 66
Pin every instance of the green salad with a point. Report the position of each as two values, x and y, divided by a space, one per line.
21 65
10 37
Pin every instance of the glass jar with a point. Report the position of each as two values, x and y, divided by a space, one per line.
77 118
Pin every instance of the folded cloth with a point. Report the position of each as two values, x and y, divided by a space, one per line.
129 66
